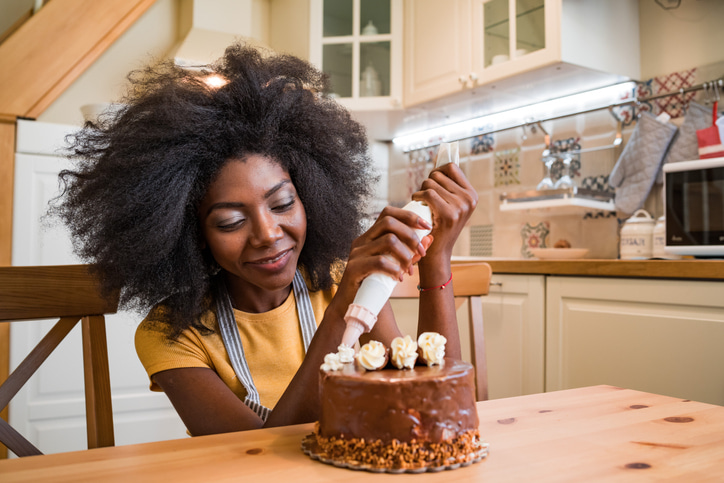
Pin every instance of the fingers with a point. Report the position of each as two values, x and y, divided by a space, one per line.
452 200
390 246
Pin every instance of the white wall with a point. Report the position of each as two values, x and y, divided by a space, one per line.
682 38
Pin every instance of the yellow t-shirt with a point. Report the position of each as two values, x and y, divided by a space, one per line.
272 343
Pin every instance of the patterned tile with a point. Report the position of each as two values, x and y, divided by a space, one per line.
534 237
629 113
481 241
482 144
597 183
562 146
674 105
507 167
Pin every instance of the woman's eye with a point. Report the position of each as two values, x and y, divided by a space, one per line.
283 206
230 223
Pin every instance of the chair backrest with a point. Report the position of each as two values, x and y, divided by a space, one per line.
471 282
70 293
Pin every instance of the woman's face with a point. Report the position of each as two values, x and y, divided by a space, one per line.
254 223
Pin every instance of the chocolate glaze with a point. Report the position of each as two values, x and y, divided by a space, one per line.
428 404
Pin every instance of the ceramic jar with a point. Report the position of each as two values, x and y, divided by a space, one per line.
637 237
660 240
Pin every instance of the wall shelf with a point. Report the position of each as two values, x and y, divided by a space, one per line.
560 201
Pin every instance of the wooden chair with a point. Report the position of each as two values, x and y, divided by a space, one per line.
70 293
471 281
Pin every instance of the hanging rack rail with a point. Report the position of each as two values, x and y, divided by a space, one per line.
714 85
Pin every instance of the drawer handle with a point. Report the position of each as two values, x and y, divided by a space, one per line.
497 284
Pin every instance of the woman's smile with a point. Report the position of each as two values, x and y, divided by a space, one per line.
273 263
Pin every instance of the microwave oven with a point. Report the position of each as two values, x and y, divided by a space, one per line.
694 202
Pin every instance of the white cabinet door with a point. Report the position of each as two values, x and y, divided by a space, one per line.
513 314
660 336
437 49
50 409
514 318
559 46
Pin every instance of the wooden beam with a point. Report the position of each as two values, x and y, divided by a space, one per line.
49 51
7 168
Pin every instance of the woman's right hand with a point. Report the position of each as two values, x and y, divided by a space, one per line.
390 246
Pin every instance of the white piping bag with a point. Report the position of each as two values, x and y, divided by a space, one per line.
376 289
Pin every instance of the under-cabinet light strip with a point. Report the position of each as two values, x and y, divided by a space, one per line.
582 102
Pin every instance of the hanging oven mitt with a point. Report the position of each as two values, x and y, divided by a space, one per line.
635 171
710 145
685 146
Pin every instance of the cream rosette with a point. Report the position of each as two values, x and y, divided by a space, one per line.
404 352
372 356
346 353
431 347
332 362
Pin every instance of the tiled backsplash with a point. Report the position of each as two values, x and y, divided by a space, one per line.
510 161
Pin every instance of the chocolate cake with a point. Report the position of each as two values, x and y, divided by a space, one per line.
398 419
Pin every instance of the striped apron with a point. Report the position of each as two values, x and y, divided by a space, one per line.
232 340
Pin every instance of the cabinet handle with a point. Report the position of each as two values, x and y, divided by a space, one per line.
463 80
473 77
497 284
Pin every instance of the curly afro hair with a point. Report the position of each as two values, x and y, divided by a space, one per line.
139 175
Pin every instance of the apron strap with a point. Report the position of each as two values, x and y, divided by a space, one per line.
232 340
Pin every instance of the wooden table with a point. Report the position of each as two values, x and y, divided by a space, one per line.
599 433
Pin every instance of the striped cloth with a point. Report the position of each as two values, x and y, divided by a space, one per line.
232 340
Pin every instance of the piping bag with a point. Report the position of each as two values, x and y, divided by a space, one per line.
376 289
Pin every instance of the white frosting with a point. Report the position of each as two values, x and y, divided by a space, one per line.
346 353
332 362
432 346
372 355
404 352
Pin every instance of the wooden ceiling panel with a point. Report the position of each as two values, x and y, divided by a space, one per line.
49 51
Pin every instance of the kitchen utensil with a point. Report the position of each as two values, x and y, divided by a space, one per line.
547 183
637 237
370 85
659 234
369 29
565 181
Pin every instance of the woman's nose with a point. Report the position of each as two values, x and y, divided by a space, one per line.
266 230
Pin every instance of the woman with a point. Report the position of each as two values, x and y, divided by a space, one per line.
230 202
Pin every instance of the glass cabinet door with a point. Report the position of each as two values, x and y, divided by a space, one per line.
356 47
504 40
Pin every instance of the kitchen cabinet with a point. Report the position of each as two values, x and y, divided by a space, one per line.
358 43
458 45
513 319
663 336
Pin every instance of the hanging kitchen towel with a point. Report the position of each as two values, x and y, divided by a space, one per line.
636 168
685 146
710 143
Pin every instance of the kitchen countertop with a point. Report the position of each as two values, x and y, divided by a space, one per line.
672 269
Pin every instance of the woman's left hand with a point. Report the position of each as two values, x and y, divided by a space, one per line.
452 200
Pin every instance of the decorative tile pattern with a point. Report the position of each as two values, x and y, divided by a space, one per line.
507 167
629 113
481 241
534 237
562 146
674 105
482 144
597 183
419 166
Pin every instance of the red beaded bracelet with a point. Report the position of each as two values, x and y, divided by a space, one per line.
439 286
